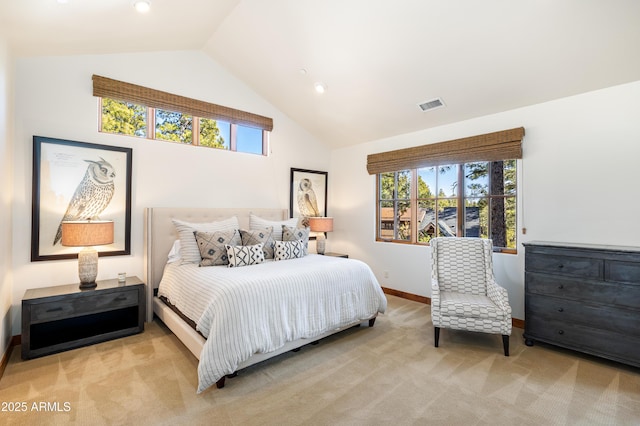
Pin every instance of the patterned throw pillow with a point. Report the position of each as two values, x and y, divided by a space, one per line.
188 248
259 236
213 248
288 250
244 255
256 222
296 234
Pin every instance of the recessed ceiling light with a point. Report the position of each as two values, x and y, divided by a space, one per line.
320 87
142 6
303 71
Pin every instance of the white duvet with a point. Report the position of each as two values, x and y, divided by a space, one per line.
258 308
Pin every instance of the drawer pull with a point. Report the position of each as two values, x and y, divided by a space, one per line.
560 266
59 308
560 331
561 286
120 298
560 309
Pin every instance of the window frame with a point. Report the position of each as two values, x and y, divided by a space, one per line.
460 200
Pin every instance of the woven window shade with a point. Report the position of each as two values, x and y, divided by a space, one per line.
119 90
503 145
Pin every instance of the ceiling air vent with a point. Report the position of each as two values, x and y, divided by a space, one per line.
432 104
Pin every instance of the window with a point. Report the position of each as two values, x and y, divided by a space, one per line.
468 200
460 188
130 119
133 110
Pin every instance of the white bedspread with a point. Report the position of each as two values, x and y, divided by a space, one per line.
258 308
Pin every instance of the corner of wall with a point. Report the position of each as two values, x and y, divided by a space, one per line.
6 198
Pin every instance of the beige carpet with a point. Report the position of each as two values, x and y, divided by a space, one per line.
386 375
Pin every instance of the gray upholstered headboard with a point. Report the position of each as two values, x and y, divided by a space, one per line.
159 235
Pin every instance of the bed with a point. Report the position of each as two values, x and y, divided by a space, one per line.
359 298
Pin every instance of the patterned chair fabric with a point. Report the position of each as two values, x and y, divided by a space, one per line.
464 293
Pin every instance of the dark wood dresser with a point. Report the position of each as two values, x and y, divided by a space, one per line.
584 297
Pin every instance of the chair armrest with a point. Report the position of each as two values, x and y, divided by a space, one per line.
499 296
435 292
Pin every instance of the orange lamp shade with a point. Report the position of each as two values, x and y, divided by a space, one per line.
87 233
321 224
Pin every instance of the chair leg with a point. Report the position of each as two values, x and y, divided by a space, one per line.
505 344
436 335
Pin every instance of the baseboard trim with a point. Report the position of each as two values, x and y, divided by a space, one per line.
408 296
515 322
15 341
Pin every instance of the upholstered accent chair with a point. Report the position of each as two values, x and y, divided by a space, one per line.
464 293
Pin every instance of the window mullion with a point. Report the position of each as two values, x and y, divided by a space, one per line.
460 201
413 200
233 145
151 123
195 130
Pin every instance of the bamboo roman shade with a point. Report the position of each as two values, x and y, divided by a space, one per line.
119 90
503 145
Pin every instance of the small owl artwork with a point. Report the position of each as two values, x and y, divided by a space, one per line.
92 195
307 202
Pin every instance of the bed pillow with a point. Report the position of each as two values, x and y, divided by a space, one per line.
259 236
212 246
188 248
285 250
174 253
296 234
256 222
244 255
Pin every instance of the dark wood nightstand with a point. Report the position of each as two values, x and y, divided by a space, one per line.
331 253
56 319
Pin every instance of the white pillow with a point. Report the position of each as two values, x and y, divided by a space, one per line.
174 253
256 222
284 250
189 250
244 255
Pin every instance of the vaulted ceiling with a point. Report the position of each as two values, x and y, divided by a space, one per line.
378 59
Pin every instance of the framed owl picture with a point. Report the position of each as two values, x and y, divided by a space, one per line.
308 194
78 181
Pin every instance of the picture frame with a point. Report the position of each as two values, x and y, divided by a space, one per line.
61 171
308 196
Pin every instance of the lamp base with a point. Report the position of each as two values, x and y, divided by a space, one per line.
86 286
88 267
320 243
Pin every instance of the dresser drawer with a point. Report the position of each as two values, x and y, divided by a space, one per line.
82 305
566 311
617 347
626 295
565 265
623 272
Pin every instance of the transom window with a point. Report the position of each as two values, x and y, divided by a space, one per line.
133 110
130 119
458 200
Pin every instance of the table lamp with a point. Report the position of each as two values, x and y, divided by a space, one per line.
87 234
322 225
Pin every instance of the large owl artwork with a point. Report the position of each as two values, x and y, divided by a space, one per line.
307 201
92 195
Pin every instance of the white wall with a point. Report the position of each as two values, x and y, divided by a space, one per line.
6 190
54 98
577 183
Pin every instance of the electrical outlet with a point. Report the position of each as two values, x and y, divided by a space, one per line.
386 274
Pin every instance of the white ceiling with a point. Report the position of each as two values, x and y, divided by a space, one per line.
378 58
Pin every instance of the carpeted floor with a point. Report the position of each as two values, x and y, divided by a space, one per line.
386 375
